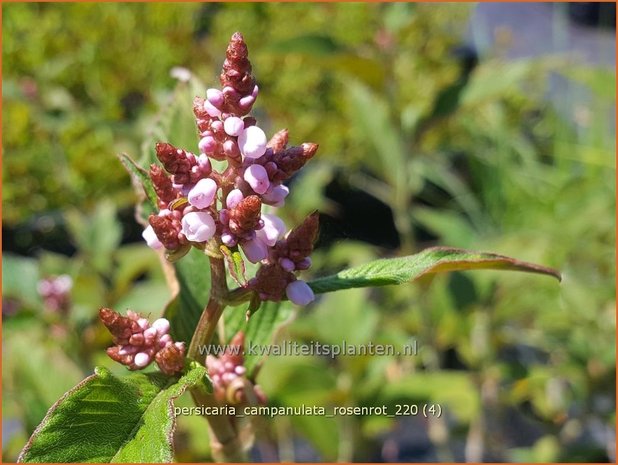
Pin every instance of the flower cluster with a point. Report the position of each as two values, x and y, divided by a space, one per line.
138 342
199 205
228 375
56 292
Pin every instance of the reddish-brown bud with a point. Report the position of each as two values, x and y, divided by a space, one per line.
171 359
245 216
166 230
126 359
270 282
162 186
119 326
236 71
176 161
236 357
279 141
299 242
288 160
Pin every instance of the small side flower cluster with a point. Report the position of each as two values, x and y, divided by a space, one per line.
199 205
56 292
228 375
139 343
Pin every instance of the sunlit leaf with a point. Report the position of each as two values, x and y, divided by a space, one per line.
434 260
110 419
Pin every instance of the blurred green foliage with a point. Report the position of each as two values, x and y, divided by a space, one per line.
461 153
77 78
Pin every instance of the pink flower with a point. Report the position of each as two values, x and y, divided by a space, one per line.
252 142
203 193
151 238
299 292
215 97
142 359
233 125
211 109
257 177
233 198
198 226
255 250
207 144
273 230
275 195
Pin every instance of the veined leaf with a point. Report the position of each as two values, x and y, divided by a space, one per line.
140 179
184 311
259 330
110 419
433 260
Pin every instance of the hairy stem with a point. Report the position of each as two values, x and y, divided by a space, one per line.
207 325
226 445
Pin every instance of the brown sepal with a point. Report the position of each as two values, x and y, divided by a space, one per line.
299 242
162 185
245 216
119 326
171 359
166 231
270 282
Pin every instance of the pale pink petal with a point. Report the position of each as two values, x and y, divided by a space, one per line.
203 193
299 292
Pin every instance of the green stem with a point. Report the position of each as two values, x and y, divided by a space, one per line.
207 325
226 445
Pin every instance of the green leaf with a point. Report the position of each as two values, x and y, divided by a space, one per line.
235 265
110 419
370 113
433 260
97 235
259 330
184 311
141 178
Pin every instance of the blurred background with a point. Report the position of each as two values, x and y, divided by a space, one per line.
484 126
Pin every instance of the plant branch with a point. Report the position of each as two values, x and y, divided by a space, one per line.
226 445
207 325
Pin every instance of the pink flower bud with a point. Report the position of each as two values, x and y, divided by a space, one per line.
150 333
141 360
273 230
229 239
198 226
246 102
207 144
162 325
252 142
255 250
257 177
215 97
204 163
299 292
151 238
211 109
287 264
230 148
233 126
203 193
233 198
304 264
275 195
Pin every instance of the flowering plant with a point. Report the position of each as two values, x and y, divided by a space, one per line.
208 215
